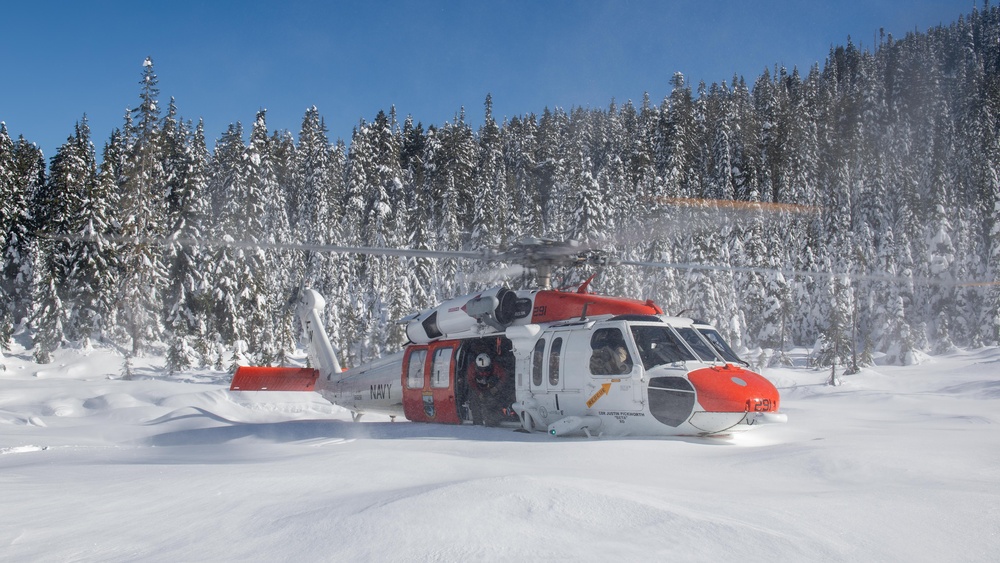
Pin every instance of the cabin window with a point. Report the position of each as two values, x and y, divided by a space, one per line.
415 370
609 354
537 361
440 372
554 354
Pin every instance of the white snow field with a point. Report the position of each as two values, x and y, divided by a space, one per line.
896 464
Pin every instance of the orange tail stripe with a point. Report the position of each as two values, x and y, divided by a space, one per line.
253 378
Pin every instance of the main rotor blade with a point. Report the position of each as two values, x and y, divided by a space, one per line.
232 243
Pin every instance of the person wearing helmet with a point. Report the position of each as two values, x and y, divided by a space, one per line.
485 384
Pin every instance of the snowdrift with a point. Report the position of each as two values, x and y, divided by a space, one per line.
897 463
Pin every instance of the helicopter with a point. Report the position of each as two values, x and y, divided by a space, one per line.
563 362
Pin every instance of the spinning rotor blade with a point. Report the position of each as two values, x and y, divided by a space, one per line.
232 243
676 216
789 272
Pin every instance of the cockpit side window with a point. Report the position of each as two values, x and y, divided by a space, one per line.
698 344
658 345
609 355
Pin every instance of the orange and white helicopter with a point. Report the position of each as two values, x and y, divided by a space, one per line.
561 362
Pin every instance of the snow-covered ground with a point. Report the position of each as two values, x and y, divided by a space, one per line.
895 464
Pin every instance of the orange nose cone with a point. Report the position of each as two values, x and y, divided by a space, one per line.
733 389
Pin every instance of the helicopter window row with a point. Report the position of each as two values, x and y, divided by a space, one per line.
609 354
415 370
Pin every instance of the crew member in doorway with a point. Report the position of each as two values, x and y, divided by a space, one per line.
609 357
486 381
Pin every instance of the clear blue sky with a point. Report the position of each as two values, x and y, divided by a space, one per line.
223 60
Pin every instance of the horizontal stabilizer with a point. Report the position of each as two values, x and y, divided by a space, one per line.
253 378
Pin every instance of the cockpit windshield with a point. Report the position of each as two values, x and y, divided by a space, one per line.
698 344
720 345
659 345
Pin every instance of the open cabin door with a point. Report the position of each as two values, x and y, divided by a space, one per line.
429 383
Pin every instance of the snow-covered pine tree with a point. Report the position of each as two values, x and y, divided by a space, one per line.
588 215
228 320
388 295
417 200
941 258
836 176
491 210
8 213
314 204
20 252
320 218
248 220
992 314
552 131
142 191
6 183
720 183
287 265
460 144
186 297
450 162
520 150
91 257
76 219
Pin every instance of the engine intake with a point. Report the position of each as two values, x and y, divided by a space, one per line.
496 308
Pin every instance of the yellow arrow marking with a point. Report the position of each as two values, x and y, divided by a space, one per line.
605 387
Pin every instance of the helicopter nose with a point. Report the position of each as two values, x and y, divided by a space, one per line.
733 389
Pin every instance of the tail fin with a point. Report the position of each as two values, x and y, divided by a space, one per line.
321 353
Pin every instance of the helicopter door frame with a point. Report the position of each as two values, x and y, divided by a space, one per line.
544 385
631 380
430 396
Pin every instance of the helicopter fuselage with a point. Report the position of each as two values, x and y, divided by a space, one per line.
552 361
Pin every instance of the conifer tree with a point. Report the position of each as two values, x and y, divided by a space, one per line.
551 164
228 272
418 200
186 299
21 249
492 204
141 208
6 183
314 203
267 222
520 149
75 218
8 214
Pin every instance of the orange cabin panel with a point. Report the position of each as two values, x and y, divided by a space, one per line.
428 383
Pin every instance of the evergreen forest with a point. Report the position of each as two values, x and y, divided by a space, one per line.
852 208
